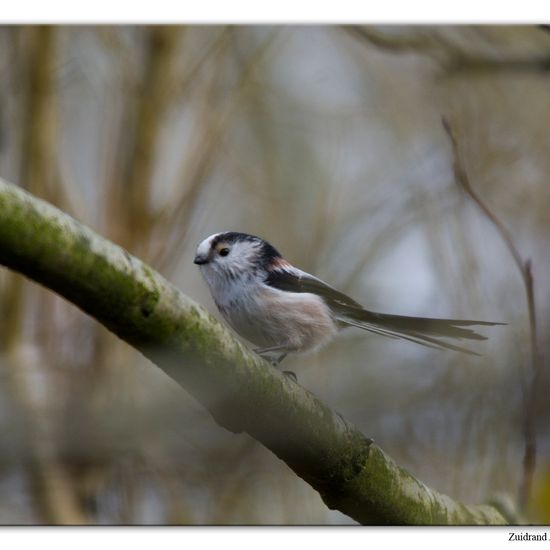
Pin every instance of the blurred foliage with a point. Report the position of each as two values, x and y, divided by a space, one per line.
328 142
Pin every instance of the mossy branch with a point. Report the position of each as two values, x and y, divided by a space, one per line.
242 392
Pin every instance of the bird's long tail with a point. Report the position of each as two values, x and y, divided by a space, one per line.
425 331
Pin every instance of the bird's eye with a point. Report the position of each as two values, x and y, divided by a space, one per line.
224 251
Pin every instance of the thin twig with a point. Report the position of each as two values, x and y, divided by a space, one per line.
531 378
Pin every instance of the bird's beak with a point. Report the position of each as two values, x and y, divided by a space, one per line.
200 260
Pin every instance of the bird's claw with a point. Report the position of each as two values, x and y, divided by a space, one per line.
291 374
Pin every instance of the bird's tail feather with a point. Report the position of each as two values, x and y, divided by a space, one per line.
421 330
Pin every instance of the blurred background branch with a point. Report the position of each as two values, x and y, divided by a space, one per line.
38 168
532 376
454 57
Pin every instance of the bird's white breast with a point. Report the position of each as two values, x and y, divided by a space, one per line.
268 316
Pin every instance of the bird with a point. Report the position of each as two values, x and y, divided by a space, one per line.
282 309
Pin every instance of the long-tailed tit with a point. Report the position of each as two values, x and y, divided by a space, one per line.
282 309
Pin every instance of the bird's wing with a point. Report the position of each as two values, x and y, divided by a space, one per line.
295 280
422 330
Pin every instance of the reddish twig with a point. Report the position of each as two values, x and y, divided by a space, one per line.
531 379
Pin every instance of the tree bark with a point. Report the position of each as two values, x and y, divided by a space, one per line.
241 391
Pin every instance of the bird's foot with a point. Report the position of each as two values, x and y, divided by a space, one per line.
291 374
267 353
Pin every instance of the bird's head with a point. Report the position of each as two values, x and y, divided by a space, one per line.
229 256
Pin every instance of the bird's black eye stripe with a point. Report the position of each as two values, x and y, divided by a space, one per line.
224 251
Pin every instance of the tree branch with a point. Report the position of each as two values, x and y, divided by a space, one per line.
454 58
241 391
